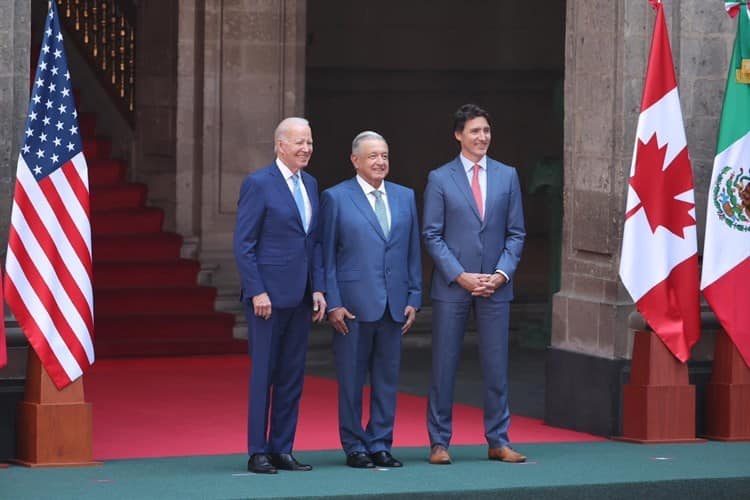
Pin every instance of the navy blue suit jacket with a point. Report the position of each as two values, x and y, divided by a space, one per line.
458 240
273 252
365 270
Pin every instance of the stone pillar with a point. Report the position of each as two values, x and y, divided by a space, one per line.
15 33
154 155
607 46
241 70
15 37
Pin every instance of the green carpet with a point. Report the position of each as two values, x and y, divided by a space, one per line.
570 470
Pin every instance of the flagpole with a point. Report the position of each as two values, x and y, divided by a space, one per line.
659 260
48 270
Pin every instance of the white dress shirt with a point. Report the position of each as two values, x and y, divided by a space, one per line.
469 168
368 189
287 174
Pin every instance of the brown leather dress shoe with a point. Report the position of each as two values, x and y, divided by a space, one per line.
505 454
439 455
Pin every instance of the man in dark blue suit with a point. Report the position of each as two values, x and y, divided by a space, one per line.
278 253
374 288
474 231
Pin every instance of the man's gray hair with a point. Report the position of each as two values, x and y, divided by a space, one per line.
284 125
364 136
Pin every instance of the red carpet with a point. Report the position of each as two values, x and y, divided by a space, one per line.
147 300
157 407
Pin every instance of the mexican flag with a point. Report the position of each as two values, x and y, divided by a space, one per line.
659 258
726 254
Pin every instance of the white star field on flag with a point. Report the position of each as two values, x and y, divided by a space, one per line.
51 136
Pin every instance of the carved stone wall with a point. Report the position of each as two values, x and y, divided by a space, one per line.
607 46
15 34
241 70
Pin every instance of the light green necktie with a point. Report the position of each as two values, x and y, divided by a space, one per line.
380 212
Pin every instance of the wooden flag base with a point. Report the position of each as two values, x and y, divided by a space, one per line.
659 402
54 427
728 393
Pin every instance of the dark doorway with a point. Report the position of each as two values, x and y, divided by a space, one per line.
402 68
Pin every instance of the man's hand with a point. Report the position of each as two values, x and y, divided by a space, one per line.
262 305
337 317
489 284
471 282
319 307
411 313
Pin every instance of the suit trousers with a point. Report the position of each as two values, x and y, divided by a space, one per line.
449 320
373 347
277 347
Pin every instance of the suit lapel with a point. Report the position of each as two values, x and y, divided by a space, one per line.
312 195
395 206
363 205
462 182
493 187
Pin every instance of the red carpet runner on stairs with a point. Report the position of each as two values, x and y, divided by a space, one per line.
161 407
146 298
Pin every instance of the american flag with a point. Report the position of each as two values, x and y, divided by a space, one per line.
3 347
48 264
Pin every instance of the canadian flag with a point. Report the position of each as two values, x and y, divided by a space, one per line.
659 259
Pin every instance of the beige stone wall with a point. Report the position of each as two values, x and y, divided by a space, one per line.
241 68
607 45
15 25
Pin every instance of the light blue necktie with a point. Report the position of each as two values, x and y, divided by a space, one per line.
299 200
380 211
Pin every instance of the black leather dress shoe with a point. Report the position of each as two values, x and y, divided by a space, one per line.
285 461
260 463
385 459
359 460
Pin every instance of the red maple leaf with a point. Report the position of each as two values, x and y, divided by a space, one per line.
657 187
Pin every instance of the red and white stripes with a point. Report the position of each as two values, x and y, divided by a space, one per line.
48 280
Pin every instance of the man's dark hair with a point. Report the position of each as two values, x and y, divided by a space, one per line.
468 112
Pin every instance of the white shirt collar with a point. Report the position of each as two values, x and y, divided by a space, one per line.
367 187
285 171
468 164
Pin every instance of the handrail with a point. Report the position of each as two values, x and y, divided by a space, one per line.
104 30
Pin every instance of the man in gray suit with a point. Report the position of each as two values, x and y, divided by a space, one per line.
474 231
373 277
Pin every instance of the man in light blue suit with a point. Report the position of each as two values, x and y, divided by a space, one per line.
374 289
278 254
474 231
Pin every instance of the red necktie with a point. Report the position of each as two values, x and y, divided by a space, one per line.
476 190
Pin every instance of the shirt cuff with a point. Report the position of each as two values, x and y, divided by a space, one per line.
507 278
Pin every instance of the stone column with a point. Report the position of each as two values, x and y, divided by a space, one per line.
15 34
241 70
607 46
15 37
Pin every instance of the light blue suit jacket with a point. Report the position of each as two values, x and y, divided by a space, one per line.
272 250
458 240
364 270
